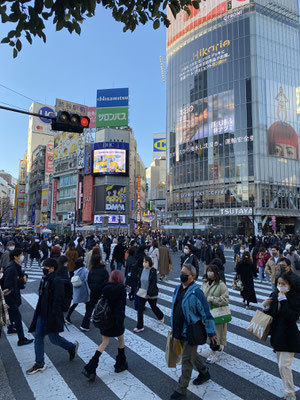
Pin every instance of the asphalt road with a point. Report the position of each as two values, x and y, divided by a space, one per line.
247 369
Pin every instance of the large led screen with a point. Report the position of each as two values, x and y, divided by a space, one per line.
109 161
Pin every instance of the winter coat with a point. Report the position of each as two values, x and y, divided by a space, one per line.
152 287
49 306
154 254
13 279
131 271
34 251
272 269
96 280
195 308
116 296
293 258
285 335
5 258
220 293
206 254
81 294
218 253
191 259
246 271
164 260
119 253
72 256
80 250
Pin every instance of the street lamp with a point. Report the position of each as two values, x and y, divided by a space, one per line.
252 204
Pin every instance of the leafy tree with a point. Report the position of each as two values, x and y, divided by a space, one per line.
29 16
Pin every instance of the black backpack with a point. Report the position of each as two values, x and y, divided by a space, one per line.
102 316
68 295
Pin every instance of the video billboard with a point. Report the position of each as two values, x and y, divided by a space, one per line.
109 161
65 144
207 10
115 199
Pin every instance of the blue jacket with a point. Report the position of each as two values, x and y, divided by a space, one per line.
195 307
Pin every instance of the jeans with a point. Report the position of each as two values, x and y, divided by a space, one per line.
155 309
273 287
119 266
261 273
16 319
54 338
25 259
285 361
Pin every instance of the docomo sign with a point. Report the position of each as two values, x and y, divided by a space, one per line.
236 211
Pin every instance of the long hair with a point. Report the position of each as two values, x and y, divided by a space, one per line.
213 268
116 277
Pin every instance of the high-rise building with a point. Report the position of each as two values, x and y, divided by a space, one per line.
232 117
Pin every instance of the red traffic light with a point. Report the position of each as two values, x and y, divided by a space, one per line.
85 122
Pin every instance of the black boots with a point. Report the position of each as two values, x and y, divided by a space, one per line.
121 363
90 369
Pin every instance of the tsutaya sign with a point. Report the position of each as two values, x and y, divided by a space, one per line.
236 211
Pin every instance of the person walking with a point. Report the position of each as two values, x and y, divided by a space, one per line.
131 274
219 253
217 295
246 270
206 254
81 294
97 278
147 291
95 251
119 254
284 306
154 254
189 258
188 307
80 250
115 293
55 252
260 260
5 258
34 253
72 256
294 259
48 317
272 268
13 281
165 260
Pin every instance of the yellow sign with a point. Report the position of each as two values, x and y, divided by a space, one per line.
65 144
22 172
15 205
298 99
159 145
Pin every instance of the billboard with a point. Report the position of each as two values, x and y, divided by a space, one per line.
112 219
54 199
282 137
41 124
87 212
65 144
207 10
112 107
115 198
92 113
159 145
88 158
110 161
44 200
73 108
49 159
22 172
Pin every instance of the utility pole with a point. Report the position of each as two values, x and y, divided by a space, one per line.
193 205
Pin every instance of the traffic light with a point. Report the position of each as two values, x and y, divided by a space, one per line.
69 122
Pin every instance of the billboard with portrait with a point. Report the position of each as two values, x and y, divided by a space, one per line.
65 144
115 198
109 161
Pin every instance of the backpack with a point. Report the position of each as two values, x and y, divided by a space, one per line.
102 316
67 300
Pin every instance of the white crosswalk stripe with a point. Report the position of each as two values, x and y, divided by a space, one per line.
257 369
34 273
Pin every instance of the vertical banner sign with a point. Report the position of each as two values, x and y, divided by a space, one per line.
15 204
88 159
54 199
87 213
79 195
139 197
49 159
112 107
92 112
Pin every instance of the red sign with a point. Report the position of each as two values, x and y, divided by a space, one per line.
87 212
54 199
49 158
92 116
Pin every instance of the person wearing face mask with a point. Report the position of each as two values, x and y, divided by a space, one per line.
239 255
284 306
190 306
13 281
247 270
190 258
294 259
5 259
272 268
147 291
217 295
286 268
206 254
48 318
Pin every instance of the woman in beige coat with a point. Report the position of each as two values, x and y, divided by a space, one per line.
164 261
216 293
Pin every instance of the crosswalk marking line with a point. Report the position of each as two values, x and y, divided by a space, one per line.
40 383
125 386
266 284
259 377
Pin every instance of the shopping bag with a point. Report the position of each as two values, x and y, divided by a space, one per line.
171 351
260 325
221 315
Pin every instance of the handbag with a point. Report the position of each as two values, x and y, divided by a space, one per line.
260 325
221 314
196 334
172 351
76 281
237 284
142 293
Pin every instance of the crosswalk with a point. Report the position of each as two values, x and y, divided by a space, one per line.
34 273
247 369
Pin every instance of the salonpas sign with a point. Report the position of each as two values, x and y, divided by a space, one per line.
236 211
117 116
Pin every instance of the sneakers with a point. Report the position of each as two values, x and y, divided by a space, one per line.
74 351
212 358
36 368
202 378
84 329
161 321
137 330
177 396
24 341
11 331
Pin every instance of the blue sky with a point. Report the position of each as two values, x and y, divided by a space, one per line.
73 67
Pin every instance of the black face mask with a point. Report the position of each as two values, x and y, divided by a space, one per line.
184 278
45 271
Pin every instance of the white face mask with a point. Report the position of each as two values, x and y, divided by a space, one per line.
186 251
242 251
210 275
283 289
11 248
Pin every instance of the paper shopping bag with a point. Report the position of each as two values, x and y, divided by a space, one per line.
260 325
171 352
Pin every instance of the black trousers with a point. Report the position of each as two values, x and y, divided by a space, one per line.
15 317
142 302
88 312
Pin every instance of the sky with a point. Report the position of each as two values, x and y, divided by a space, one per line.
73 67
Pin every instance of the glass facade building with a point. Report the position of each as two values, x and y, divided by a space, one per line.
233 116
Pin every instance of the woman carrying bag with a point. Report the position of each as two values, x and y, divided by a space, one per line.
284 306
217 295
147 291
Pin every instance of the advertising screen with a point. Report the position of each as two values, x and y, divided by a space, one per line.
65 144
115 199
109 161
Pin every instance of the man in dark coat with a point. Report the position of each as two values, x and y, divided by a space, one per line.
190 258
206 255
119 254
13 281
48 317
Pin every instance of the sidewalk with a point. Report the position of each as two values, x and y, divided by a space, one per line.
5 392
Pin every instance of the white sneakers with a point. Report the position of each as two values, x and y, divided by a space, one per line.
161 321
212 358
137 330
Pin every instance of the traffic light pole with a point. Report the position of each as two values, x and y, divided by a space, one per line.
25 112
